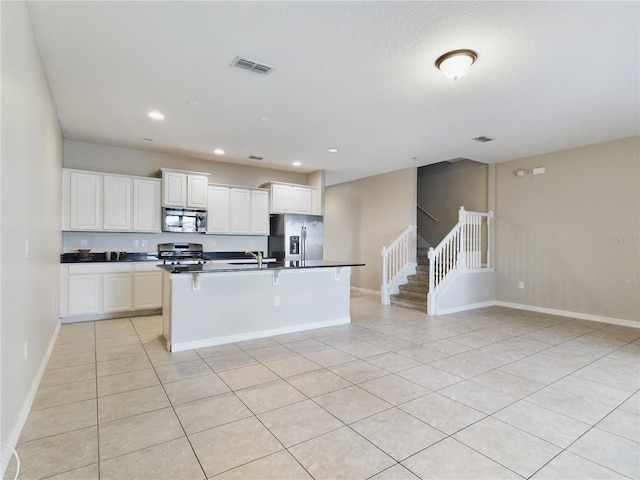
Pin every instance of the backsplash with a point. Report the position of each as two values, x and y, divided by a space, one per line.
148 242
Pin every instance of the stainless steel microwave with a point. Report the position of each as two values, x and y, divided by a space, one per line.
184 220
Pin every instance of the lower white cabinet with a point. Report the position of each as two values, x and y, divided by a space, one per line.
147 287
103 288
85 294
116 292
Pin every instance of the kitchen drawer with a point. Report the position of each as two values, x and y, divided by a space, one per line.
102 267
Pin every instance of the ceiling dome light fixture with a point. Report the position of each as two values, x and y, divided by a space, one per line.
296 163
333 150
456 63
218 151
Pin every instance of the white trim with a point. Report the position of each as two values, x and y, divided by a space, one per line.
12 441
462 308
566 313
241 337
365 290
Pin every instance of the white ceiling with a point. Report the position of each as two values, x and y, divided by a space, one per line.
358 76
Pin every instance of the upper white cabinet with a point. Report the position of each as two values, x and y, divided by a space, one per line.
237 210
184 189
146 204
85 197
260 212
117 202
112 203
302 199
174 189
288 198
240 211
218 213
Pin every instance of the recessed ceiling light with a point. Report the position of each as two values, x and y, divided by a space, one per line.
296 163
193 102
148 140
156 115
333 150
218 151
264 119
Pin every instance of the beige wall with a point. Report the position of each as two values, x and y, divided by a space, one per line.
364 215
30 212
572 233
443 188
127 161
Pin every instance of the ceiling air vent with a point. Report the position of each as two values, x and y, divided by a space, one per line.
252 65
483 139
255 157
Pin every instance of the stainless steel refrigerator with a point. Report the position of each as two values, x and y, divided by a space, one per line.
295 237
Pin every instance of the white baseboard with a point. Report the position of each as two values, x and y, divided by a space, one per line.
566 313
242 337
26 406
462 308
364 290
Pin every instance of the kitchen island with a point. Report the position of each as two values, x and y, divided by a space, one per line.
213 304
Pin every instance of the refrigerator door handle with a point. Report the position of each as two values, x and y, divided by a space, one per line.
303 243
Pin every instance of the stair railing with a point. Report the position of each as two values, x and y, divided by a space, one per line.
464 248
398 261
427 213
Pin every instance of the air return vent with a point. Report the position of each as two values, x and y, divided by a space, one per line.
252 65
255 157
483 139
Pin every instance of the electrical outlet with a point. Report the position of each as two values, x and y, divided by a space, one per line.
83 242
136 243
276 301
26 349
520 284
26 248
143 243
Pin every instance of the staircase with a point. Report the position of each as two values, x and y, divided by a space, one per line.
413 294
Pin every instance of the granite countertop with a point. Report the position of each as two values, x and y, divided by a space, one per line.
230 267
97 257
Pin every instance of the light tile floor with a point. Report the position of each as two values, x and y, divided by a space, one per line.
491 393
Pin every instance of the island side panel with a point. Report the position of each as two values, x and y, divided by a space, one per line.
224 307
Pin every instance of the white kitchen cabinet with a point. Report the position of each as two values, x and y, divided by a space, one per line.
259 212
85 294
302 200
290 198
240 211
197 186
117 202
174 189
116 292
92 289
85 198
146 205
147 287
184 189
281 198
218 211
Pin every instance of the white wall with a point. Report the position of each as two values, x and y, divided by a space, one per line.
572 235
30 212
365 215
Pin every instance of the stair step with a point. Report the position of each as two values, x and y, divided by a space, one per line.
412 294
418 278
412 287
409 303
422 268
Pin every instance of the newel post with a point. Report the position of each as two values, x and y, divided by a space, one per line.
462 253
385 292
489 224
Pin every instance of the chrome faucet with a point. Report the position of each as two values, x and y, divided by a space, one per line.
258 257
